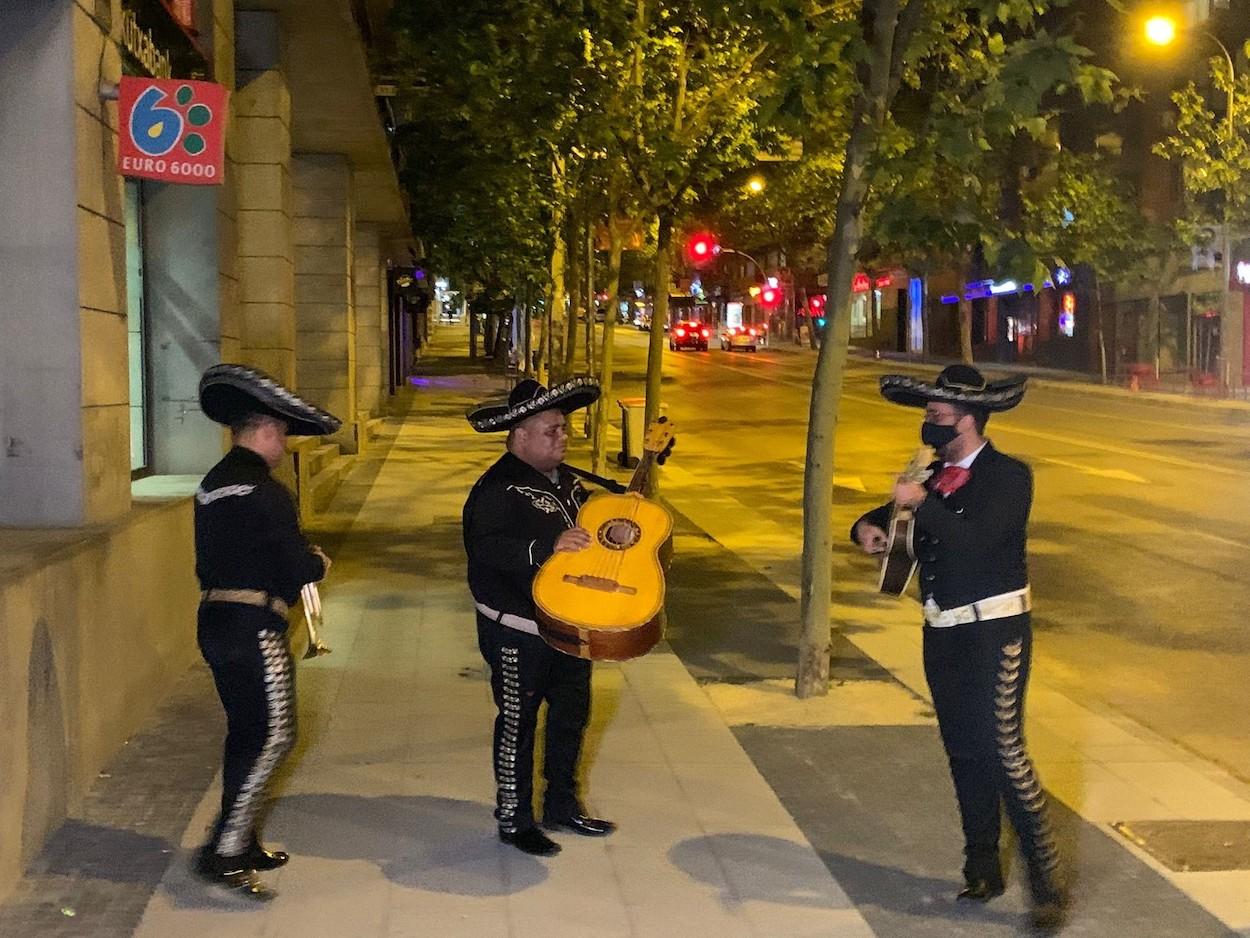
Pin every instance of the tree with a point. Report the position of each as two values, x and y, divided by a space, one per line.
686 117
1006 64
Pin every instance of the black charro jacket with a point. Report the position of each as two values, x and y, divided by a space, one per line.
972 544
511 520
247 532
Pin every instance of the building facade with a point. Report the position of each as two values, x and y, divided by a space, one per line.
118 293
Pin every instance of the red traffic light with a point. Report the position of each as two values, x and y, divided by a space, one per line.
816 302
770 297
701 248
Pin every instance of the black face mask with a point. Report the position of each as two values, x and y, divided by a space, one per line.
937 435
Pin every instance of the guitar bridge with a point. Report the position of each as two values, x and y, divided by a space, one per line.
603 584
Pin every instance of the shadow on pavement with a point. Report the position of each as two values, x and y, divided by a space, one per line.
445 845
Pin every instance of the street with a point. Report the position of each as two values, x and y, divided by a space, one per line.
1139 525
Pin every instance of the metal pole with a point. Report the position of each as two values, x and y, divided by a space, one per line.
1232 82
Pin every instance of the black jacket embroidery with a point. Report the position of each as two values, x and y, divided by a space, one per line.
511 520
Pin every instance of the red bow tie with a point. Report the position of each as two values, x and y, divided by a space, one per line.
950 479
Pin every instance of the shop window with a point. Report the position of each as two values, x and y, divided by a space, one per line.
859 316
136 325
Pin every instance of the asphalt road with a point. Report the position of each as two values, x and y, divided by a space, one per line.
1139 535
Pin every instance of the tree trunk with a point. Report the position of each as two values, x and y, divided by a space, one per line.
473 329
1102 338
890 32
527 336
659 316
812 677
965 331
590 295
616 243
556 311
576 284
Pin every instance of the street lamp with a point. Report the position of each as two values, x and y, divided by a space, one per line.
756 184
1161 31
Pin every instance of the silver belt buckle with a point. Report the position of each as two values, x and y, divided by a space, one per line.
934 615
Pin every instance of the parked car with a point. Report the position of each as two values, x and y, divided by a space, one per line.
739 337
689 334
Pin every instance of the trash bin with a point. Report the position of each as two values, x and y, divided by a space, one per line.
633 431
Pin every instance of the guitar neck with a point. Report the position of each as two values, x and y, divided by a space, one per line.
638 482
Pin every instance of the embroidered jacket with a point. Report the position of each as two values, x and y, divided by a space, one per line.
972 544
511 521
247 532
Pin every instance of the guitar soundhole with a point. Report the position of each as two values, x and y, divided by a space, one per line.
619 534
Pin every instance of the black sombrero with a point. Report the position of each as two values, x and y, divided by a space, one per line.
529 398
957 384
231 392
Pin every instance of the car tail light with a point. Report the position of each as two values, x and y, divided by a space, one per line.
706 333
681 332
751 331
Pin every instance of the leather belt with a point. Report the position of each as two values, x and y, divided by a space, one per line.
258 598
1002 606
520 623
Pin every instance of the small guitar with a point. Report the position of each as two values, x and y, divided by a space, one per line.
899 563
605 602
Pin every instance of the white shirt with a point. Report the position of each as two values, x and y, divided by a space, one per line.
967 461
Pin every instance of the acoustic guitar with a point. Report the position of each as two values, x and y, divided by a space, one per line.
605 602
899 563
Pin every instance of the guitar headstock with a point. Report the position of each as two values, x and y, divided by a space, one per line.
918 469
660 439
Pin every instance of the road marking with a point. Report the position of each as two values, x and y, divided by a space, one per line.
1121 475
854 483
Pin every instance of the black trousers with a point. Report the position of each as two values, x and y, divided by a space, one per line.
524 672
247 651
978 674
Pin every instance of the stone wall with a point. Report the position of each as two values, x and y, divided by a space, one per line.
95 627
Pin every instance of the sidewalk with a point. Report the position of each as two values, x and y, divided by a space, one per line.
387 804
743 811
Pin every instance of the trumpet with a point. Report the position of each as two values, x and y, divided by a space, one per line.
312 618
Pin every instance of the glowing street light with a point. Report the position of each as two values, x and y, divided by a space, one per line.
756 184
1161 30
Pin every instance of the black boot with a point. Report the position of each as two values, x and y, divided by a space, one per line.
1050 905
580 824
981 890
232 873
532 841
263 860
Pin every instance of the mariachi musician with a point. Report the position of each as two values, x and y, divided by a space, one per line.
521 511
971 523
252 561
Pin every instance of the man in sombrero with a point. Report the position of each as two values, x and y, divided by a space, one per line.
971 521
521 511
252 561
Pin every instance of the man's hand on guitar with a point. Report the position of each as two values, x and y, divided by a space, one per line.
871 538
572 540
909 494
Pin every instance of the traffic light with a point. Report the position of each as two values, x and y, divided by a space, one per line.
770 297
701 248
816 304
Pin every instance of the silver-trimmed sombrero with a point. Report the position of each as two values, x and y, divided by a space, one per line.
229 392
957 384
529 398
